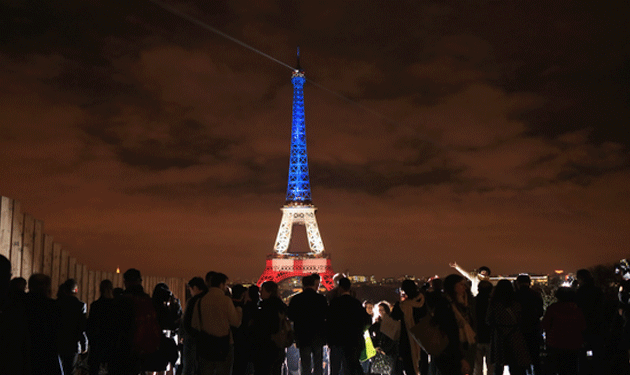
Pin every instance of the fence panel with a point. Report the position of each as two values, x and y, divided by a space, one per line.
72 268
56 264
6 225
98 277
16 240
38 247
91 282
30 250
85 277
27 246
48 255
63 266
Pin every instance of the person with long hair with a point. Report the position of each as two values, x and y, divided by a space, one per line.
408 311
169 315
454 314
385 333
508 346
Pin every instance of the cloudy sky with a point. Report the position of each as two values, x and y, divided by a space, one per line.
485 132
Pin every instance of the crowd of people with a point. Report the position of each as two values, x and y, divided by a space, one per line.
461 324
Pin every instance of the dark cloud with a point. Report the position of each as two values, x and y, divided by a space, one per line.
369 179
186 145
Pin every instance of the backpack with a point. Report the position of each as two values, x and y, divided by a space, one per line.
170 314
429 336
147 333
285 335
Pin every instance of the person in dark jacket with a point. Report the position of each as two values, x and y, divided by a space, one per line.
345 323
240 334
308 310
268 358
14 335
43 321
5 279
250 310
126 359
17 288
590 299
169 316
100 328
531 311
198 289
564 324
508 345
72 339
619 338
483 330
168 308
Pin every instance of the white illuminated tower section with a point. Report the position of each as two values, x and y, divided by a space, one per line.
298 210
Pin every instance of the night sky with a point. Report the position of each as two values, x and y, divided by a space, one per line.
483 132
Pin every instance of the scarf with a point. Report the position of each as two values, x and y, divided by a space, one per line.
466 333
390 327
407 307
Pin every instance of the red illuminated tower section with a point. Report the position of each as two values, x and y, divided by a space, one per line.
298 211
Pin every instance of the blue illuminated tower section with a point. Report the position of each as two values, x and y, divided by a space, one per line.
298 208
299 186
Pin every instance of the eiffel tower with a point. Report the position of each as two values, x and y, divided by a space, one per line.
298 210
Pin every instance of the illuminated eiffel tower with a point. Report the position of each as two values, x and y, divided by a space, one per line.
298 210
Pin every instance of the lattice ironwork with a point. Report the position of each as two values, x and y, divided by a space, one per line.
303 216
299 185
298 210
281 268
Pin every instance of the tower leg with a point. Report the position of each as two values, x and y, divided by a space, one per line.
327 281
284 233
312 231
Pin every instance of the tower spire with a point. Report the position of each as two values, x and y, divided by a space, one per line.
298 59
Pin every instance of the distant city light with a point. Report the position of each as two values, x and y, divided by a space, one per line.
117 269
559 271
